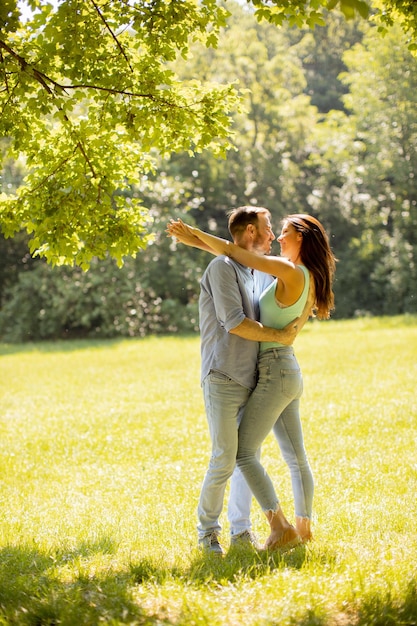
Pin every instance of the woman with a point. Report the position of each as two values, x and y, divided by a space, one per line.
274 404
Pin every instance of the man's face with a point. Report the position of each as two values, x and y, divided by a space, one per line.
264 235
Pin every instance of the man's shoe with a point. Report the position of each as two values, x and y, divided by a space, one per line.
211 544
246 537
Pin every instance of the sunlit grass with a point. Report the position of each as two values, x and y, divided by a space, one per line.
103 446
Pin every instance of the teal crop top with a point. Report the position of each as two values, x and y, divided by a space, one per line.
276 316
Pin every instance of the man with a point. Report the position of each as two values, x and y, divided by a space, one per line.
230 332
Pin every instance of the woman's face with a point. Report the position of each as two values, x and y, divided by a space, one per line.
290 241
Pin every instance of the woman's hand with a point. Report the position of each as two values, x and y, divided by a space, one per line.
182 232
187 234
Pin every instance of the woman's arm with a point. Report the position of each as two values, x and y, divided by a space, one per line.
188 238
276 266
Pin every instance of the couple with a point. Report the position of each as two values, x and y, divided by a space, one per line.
250 377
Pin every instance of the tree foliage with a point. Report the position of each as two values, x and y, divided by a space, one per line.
90 98
270 132
383 99
87 95
341 146
309 13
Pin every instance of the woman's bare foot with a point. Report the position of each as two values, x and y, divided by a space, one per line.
283 535
303 526
283 541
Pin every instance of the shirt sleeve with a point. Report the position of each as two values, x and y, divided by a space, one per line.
225 291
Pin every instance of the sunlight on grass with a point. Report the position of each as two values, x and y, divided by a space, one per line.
103 449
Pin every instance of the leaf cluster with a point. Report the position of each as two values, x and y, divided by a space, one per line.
88 98
309 13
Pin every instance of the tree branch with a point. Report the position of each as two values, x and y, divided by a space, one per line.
5 73
87 160
58 167
42 78
118 44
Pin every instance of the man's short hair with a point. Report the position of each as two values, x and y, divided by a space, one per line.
242 216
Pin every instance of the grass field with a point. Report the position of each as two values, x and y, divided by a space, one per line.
103 447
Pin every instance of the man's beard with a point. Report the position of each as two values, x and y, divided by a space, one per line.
260 246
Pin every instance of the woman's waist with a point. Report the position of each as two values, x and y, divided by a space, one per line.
276 349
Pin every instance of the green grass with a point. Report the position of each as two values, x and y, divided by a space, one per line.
103 447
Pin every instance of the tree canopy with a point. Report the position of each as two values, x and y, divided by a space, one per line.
327 126
89 97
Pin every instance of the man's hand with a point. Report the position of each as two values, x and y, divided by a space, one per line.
287 334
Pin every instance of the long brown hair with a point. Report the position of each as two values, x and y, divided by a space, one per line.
316 255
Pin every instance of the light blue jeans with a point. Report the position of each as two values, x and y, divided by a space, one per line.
274 405
224 401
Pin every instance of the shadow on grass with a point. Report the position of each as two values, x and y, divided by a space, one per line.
239 563
388 610
242 562
62 587
47 589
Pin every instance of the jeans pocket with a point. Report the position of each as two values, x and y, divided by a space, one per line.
291 383
218 378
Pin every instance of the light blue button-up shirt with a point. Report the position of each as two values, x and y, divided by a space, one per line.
229 292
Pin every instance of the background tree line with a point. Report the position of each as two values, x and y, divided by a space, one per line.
329 128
